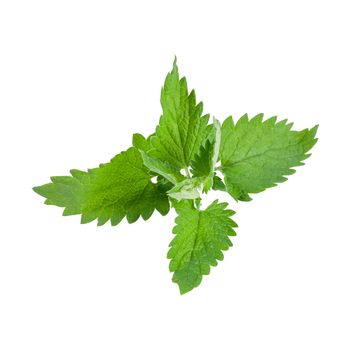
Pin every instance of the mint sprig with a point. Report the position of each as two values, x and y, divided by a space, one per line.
185 157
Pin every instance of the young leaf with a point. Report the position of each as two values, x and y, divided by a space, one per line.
163 184
256 155
161 167
203 164
182 128
111 192
201 236
186 189
200 165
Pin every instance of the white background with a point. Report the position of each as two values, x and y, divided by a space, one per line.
77 78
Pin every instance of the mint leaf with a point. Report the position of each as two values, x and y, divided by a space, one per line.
182 128
256 155
200 165
201 236
203 164
111 192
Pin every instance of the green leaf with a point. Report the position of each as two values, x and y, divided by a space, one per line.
182 129
257 154
203 164
161 167
111 192
186 189
201 236
200 165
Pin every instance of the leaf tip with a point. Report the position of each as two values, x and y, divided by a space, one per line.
39 190
175 67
